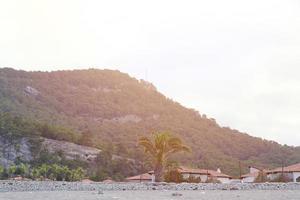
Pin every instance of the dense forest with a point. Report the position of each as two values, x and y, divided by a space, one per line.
110 110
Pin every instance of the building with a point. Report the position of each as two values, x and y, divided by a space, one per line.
108 180
251 176
196 173
204 174
86 180
146 177
292 173
218 175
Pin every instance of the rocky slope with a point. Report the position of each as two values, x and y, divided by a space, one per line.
10 151
21 149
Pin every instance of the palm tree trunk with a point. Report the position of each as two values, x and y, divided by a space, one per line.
158 173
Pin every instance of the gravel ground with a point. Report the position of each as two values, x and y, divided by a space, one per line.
154 195
26 186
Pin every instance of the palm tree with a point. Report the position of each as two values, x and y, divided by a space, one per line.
160 149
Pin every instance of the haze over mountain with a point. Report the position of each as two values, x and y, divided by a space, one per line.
115 109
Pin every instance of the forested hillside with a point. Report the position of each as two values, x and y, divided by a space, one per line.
111 110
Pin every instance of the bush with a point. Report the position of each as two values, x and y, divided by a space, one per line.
57 173
116 168
18 170
261 178
22 170
193 179
77 174
99 175
12 170
173 176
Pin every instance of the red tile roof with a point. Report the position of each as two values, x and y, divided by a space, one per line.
202 172
218 174
141 177
108 181
254 174
86 181
192 171
291 168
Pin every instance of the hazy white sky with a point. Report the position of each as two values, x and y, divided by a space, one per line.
237 61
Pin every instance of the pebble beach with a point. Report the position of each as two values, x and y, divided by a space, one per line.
51 190
154 195
31 186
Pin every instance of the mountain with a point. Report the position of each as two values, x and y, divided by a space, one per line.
111 110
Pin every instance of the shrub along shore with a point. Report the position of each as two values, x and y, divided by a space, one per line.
18 186
52 172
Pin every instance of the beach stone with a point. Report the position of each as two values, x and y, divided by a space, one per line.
100 192
176 194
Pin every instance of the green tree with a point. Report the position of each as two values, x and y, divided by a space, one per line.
22 170
160 148
35 173
43 170
77 174
58 173
173 176
12 170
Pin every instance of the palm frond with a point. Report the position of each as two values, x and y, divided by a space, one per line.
160 140
161 147
148 146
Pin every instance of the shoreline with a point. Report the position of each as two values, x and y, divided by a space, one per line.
30 186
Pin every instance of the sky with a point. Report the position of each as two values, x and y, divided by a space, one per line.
235 61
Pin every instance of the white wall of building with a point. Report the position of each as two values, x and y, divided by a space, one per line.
205 177
250 179
224 180
277 175
295 176
273 176
185 176
253 170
